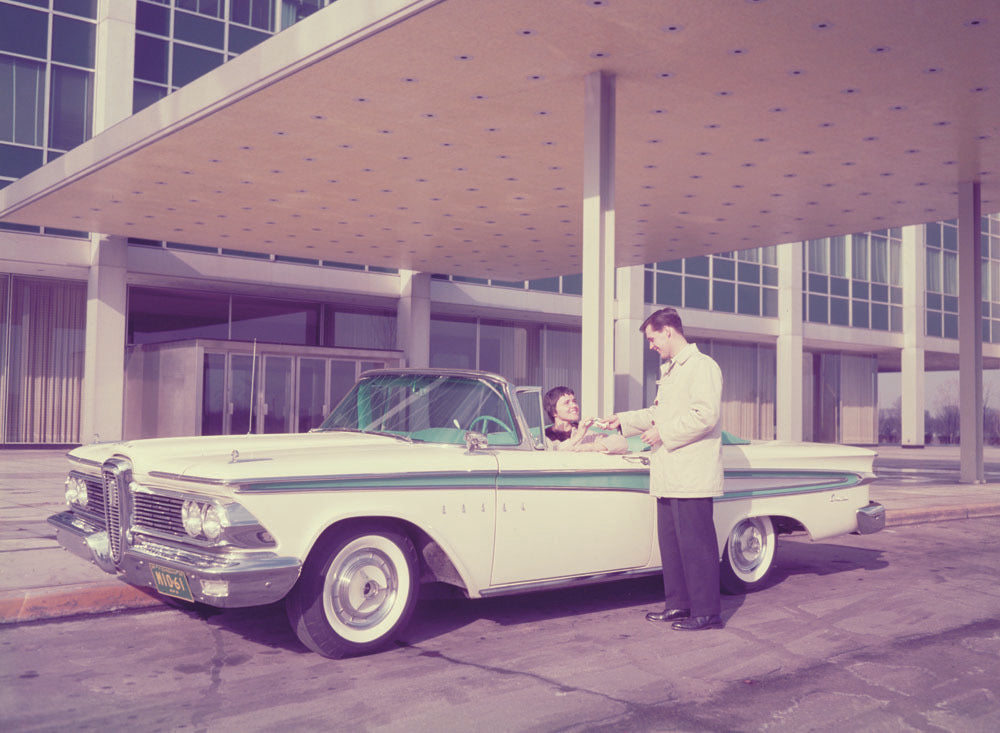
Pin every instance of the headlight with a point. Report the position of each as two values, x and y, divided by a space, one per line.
76 491
191 518
211 522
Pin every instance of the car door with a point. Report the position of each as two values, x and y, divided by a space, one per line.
563 514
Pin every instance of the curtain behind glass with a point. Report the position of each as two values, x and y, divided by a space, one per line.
739 387
561 361
45 373
858 404
504 351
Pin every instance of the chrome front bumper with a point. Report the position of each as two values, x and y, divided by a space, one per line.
252 578
871 519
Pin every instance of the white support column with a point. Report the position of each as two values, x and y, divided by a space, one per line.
788 394
912 383
413 317
103 400
970 334
103 392
115 62
629 344
597 385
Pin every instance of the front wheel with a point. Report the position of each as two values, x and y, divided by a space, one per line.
748 556
357 591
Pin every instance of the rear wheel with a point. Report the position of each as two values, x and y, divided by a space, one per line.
357 591
748 556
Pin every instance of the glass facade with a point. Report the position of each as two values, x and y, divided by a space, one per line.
46 62
744 282
854 281
159 315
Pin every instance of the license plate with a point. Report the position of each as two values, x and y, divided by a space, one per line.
171 583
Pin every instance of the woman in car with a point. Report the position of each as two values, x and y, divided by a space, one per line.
568 433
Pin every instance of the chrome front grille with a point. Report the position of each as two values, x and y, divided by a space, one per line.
162 513
117 473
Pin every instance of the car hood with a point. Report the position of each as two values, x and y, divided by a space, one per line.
236 458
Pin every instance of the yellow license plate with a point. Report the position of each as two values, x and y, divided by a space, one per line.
171 583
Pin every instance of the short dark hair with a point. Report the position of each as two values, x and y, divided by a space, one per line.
551 398
663 318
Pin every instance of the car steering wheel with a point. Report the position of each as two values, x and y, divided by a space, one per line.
488 419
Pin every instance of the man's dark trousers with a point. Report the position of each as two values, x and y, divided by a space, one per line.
690 555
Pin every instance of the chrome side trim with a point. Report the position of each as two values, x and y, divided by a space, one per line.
540 585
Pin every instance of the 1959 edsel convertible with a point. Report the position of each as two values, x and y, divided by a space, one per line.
422 476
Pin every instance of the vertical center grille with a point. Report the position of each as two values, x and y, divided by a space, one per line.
117 473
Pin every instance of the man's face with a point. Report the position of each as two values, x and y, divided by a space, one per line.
567 409
659 341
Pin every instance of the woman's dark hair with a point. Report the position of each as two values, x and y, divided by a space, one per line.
663 318
552 397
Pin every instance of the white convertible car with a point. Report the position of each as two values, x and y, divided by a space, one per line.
422 476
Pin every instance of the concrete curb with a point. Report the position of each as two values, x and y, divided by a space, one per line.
37 604
940 514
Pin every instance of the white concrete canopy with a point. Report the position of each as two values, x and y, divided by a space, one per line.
448 135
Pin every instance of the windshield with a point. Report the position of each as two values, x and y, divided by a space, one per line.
426 407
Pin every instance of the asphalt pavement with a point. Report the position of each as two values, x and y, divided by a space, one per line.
39 580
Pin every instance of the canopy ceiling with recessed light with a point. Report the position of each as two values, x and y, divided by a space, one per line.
447 135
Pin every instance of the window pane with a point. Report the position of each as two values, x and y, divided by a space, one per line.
695 293
361 330
949 273
151 56
880 316
723 297
859 314
24 31
83 8
859 256
152 18
572 284
275 321
22 85
723 269
696 266
668 289
168 315
817 309
196 29
933 323
817 256
934 270
243 39
453 344
71 107
838 256
770 302
144 95
191 62
949 238
73 41
880 260
840 314
748 300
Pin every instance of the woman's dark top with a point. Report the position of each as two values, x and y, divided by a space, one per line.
557 436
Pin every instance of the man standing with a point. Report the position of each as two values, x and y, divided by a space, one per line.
683 430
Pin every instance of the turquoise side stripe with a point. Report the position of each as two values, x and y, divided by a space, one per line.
626 480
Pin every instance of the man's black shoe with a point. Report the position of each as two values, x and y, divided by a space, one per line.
668 614
697 623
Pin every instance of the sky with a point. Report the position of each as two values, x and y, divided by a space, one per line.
941 389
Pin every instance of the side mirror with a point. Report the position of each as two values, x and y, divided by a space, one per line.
475 441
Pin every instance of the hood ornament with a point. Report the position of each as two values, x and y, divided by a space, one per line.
235 456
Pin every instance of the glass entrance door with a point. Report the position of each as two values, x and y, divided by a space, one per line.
276 395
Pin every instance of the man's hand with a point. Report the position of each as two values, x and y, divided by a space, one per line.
651 437
609 423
